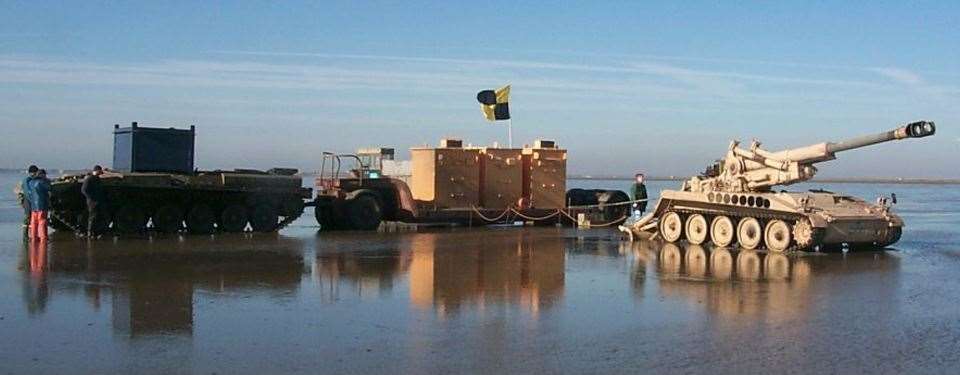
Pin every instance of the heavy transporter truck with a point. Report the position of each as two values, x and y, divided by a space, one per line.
153 186
733 201
452 184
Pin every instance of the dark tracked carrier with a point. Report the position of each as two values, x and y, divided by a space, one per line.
153 186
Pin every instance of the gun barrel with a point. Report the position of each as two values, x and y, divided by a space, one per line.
918 129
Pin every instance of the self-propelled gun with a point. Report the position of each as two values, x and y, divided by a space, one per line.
733 201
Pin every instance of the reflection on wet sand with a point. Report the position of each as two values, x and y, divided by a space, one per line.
744 282
36 287
448 271
152 282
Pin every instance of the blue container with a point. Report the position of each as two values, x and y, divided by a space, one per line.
141 149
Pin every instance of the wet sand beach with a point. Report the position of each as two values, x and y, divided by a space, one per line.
480 300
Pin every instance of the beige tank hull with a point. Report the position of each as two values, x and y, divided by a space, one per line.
804 220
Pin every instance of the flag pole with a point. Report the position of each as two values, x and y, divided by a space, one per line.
510 132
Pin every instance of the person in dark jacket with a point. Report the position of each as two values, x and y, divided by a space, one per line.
22 190
92 190
640 192
39 196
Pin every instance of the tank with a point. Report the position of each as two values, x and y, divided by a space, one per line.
154 187
733 201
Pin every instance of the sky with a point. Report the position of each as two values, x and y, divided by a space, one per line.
658 87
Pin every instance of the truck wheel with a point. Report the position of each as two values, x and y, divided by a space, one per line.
324 216
364 212
168 219
200 219
263 218
233 219
130 219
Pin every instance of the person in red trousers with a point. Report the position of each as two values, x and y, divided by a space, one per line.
39 194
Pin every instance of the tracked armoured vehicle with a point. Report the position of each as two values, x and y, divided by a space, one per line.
153 186
734 201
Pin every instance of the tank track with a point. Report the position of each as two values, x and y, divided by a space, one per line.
736 213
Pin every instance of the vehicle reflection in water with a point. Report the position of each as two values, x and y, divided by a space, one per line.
450 271
775 285
152 284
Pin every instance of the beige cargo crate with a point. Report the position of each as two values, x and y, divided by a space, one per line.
545 177
501 177
446 177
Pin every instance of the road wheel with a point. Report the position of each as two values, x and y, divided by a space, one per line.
168 219
721 231
749 233
200 219
233 219
696 229
130 218
263 218
777 236
364 212
671 227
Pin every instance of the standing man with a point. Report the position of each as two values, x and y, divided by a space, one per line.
22 190
92 190
639 192
39 195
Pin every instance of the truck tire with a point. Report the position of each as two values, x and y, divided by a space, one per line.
364 212
263 218
325 217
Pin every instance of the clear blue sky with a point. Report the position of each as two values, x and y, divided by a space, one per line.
656 87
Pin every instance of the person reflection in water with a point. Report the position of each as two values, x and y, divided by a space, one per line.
36 289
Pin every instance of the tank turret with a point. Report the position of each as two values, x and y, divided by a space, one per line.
756 170
733 202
